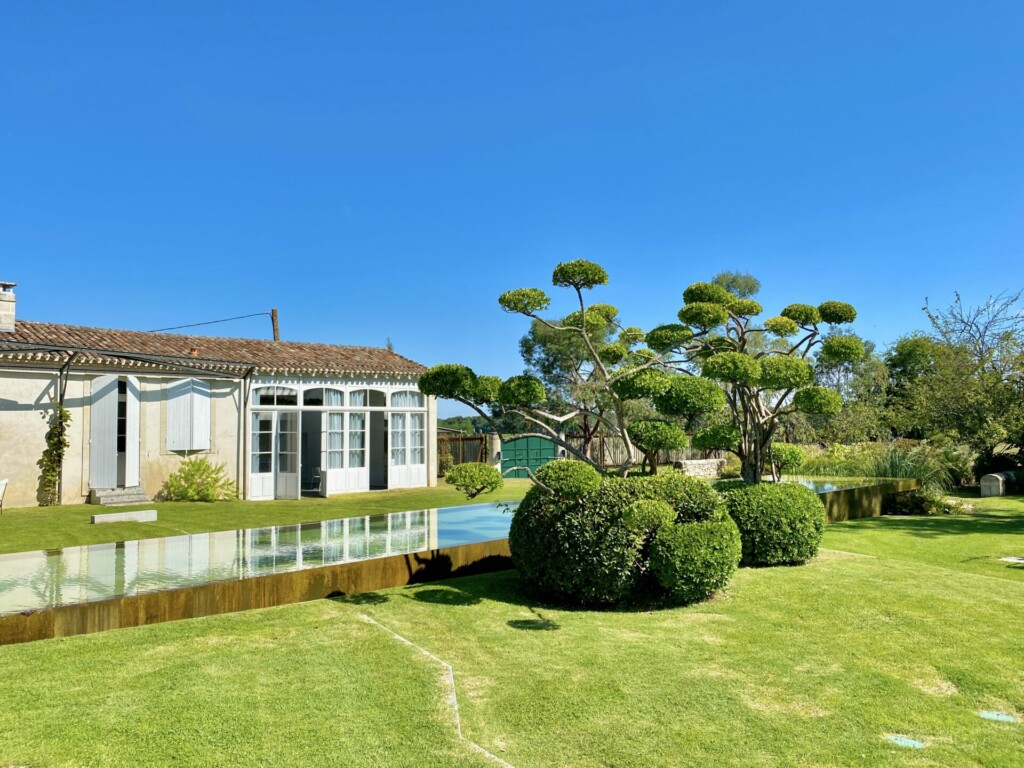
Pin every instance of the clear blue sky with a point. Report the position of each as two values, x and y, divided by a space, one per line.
382 170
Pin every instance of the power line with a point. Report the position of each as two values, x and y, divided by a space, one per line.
210 322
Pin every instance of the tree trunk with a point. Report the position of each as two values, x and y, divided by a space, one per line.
651 459
752 467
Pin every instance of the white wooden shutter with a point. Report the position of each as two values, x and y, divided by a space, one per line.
131 447
188 415
179 415
103 433
200 421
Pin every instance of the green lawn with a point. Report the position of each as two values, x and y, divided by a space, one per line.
973 542
802 666
31 528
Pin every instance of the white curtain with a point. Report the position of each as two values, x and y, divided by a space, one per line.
357 440
398 439
417 438
406 399
335 440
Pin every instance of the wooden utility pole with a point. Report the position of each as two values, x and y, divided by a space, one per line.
273 319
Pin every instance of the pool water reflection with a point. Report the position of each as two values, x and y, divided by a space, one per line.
48 578
829 484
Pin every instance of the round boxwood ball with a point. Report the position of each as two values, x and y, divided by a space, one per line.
577 550
692 560
779 523
692 499
569 478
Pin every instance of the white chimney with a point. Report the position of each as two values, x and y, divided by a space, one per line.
7 302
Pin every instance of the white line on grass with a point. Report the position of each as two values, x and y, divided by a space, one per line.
452 697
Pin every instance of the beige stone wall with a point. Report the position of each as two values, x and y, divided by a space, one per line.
24 413
155 461
25 408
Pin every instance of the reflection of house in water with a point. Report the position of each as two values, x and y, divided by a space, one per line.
34 580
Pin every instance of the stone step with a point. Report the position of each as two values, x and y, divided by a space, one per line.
118 497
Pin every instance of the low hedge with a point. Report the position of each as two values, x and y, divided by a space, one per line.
779 523
597 546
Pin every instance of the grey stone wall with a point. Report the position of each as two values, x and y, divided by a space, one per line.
709 468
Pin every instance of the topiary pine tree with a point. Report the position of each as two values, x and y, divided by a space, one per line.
716 358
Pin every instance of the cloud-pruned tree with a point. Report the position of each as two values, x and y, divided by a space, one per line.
754 372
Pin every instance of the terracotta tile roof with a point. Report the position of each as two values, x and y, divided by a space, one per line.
44 343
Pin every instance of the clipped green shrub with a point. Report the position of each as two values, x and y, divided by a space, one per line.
744 307
704 315
786 457
569 478
841 349
780 326
785 373
577 550
474 478
199 479
692 499
837 312
525 300
666 337
709 293
922 502
593 548
690 396
802 314
732 367
717 437
647 516
779 523
579 273
521 391
642 384
693 560
818 400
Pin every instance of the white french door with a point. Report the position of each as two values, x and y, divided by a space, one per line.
357 464
274 455
333 450
261 468
407 454
287 469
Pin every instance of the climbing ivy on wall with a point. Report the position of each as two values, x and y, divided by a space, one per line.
52 459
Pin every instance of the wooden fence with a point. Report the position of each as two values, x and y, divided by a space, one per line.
463 449
610 452
606 450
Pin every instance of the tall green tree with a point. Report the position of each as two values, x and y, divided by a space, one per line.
762 370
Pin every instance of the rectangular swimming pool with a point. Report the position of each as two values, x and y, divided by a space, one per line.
32 581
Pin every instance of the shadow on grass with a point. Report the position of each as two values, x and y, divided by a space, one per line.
444 596
540 623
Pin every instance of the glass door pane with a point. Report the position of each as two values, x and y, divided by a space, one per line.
335 440
287 443
357 440
417 438
398 454
262 443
